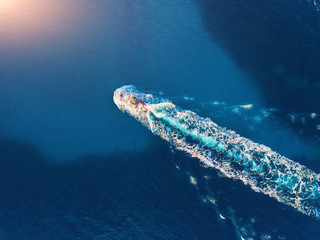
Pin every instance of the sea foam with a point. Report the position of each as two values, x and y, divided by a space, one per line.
256 165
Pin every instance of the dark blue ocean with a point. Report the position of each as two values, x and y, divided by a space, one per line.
74 167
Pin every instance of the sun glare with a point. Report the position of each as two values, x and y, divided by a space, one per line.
22 20
6 5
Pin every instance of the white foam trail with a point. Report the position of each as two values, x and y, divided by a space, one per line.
304 123
237 157
316 3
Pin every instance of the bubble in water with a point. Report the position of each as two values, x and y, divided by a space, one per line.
236 157
265 236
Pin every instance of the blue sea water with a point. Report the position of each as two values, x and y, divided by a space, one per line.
74 167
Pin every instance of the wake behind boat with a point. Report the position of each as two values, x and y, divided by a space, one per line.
237 157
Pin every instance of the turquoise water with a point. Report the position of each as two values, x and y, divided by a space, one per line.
75 167
236 157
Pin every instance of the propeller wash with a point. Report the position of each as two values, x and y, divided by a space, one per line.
236 157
